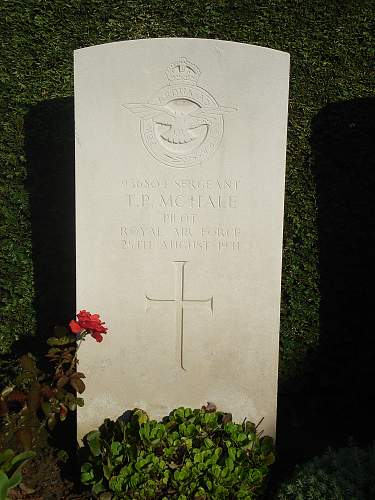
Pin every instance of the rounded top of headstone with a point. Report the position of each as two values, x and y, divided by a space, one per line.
183 42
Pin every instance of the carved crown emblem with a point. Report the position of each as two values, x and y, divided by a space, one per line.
183 71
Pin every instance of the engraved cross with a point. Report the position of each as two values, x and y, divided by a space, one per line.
180 302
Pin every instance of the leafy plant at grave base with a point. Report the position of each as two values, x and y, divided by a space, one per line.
9 370
37 400
10 469
347 473
198 454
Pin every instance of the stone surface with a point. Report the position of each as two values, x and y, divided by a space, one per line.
180 159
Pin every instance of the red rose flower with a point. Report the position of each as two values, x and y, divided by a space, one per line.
90 323
74 326
97 336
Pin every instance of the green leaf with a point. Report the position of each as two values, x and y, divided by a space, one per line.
86 467
269 459
6 456
94 442
266 444
14 480
7 390
200 494
188 412
21 458
209 443
62 456
250 427
4 485
179 413
188 443
54 350
216 470
60 331
141 416
140 463
52 341
98 487
27 362
116 448
87 477
107 471
46 407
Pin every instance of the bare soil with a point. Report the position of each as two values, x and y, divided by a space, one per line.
42 480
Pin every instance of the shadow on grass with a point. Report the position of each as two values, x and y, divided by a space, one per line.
49 147
331 401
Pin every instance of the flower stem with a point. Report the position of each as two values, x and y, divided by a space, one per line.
74 360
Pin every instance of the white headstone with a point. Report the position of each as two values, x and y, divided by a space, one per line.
180 160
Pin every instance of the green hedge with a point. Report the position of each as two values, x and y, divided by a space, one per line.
343 474
330 49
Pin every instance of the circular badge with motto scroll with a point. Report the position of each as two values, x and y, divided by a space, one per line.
182 125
